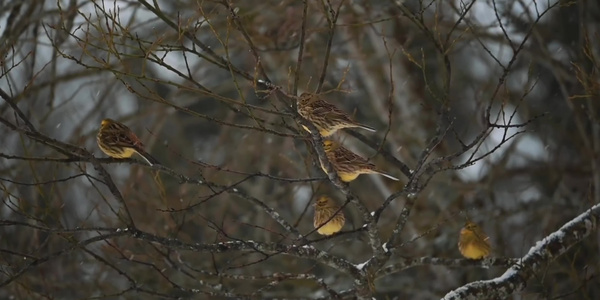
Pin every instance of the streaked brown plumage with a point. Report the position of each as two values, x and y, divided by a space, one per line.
347 164
325 116
472 242
118 141
325 207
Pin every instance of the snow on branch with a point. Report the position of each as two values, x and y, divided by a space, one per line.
515 278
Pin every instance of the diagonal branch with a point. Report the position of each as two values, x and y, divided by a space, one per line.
544 251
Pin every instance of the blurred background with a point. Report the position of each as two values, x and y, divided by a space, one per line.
509 89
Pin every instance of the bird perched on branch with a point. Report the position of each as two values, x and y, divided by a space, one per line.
347 164
325 116
472 242
118 141
325 221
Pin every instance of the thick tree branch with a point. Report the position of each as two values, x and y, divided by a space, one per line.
544 252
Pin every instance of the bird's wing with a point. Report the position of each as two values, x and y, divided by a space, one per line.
343 154
330 111
123 136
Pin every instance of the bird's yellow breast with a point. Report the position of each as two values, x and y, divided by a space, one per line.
344 176
471 251
127 152
322 131
330 228
347 177
118 152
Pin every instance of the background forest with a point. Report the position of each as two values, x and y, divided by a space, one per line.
486 110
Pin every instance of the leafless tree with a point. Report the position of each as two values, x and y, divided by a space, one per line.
487 110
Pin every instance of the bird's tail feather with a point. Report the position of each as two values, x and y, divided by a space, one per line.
147 157
367 128
388 175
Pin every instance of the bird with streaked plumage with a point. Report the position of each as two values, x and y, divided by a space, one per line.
117 140
347 164
324 220
472 242
325 116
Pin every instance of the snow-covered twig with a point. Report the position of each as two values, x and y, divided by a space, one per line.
515 278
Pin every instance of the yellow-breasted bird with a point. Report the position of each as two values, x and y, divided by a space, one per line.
325 116
325 207
472 242
347 164
118 141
